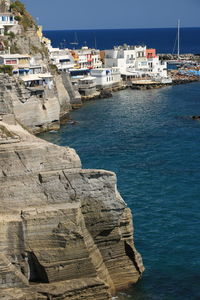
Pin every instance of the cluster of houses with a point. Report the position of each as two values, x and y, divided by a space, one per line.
24 66
109 68
88 68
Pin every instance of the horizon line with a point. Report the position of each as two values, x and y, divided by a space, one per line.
148 28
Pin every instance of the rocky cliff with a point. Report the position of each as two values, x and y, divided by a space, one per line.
22 37
66 233
40 108
35 110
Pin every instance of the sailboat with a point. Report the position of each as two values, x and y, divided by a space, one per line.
75 43
177 41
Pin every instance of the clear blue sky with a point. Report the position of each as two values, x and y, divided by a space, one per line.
104 14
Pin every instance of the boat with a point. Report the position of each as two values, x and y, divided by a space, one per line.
75 42
179 61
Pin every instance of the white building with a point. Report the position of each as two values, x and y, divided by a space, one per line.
7 21
157 68
62 58
106 77
22 64
15 59
135 61
87 58
87 86
125 57
44 80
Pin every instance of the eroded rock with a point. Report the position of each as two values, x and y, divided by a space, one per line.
64 229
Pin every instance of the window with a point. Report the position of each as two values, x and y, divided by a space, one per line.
11 62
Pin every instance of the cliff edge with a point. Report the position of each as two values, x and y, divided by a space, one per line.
31 87
66 233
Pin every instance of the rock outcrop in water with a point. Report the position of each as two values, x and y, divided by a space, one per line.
65 232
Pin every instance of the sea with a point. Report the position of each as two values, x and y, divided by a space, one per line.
163 39
152 143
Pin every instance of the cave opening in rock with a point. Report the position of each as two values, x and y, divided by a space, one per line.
130 253
37 271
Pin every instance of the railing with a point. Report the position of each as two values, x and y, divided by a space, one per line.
8 22
130 60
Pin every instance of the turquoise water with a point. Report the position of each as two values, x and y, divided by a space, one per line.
149 140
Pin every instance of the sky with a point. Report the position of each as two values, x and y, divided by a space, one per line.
109 14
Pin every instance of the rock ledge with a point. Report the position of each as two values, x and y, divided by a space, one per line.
65 232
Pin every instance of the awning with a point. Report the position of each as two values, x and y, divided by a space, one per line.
33 77
88 78
23 70
45 75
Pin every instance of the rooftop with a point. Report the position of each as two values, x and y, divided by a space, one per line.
34 77
12 56
128 47
6 14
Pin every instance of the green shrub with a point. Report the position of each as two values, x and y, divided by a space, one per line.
18 18
11 35
18 6
6 70
27 21
22 16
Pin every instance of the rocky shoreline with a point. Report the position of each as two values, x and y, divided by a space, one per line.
66 232
176 80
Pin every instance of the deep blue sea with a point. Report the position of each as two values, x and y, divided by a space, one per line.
150 141
163 39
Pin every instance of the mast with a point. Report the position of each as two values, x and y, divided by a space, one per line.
75 40
178 50
95 42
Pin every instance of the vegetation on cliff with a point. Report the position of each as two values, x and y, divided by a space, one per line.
6 70
22 37
22 15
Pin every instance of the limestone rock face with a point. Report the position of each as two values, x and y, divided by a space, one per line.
65 232
36 113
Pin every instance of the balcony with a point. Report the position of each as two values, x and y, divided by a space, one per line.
130 60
